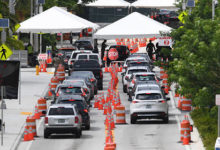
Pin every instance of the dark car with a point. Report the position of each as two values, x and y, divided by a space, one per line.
65 53
167 16
90 75
80 103
84 44
90 65
123 52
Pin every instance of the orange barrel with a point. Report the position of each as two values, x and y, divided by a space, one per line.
165 76
120 114
53 83
165 85
186 104
31 123
180 102
185 126
186 138
42 105
60 73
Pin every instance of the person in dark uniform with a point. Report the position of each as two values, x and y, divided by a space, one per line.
56 61
96 50
158 51
103 48
150 47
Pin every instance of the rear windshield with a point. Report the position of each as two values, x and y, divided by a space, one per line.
145 77
137 64
86 64
71 90
79 103
149 96
148 88
82 57
61 111
136 70
134 60
93 57
82 43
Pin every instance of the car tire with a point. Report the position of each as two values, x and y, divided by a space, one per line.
87 127
78 133
124 89
133 120
46 134
166 119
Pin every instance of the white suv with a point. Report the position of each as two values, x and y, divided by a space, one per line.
62 118
149 104
87 56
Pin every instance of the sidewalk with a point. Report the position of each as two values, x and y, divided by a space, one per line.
32 88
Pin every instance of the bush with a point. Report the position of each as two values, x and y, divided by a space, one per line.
206 121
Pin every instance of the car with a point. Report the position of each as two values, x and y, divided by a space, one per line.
70 89
91 56
140 77
81 105
149 104
138 58
126 75
140 63
62 118
79 82
90 65
123 52
89 77
84 44
73 57
166 16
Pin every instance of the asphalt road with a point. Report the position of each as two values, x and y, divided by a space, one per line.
145 135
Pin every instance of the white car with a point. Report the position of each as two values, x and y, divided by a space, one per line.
89 56
62 118
126 75
137 58
148 104
73 56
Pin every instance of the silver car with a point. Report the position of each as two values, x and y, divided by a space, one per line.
63 118
149 104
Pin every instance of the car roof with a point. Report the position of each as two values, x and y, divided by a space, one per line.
133 58
76 84
137 67
145 73
149 91
148 85
69 84
62 105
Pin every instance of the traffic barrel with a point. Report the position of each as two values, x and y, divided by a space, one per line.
179 105
120 114
60 72
185 126
186 138
186 104
31 123
44 66
30 133
26 135
36 113
42 105
53 84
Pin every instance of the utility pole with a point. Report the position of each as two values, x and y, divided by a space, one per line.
40 11
36 48
31 13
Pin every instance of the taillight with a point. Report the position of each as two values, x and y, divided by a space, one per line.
101 74
163 101
85 110
134 102
133 81
57 94
46 120
92 80
76 119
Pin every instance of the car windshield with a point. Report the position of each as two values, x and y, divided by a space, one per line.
74 55
93 57
136 70
149 96
134 60
71 90
61 111
147 88
145 77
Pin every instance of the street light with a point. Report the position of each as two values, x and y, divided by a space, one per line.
214 4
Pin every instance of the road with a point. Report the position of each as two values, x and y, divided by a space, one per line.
145 135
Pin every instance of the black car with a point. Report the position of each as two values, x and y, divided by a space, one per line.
80 103
90 65
84 44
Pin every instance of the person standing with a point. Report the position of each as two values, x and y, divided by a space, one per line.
103 48
96 50
150 47
56 62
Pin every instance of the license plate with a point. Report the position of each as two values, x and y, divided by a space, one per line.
148 106
61 120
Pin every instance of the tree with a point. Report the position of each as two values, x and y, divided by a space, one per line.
196 64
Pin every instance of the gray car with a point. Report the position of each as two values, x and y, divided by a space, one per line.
63 118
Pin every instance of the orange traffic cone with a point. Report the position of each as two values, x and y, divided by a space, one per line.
44 67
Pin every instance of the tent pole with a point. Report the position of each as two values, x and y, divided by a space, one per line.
61 39
40 43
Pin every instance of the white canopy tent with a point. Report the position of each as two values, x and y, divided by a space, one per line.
134 25
55 20
159 4
109 3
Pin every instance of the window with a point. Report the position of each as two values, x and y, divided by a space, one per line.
93 57
61 111
82 57
71 90
149 96
145 77
136 70
148 88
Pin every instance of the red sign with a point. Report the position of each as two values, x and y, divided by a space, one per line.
113 54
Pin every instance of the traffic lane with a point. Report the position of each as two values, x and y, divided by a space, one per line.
148 134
